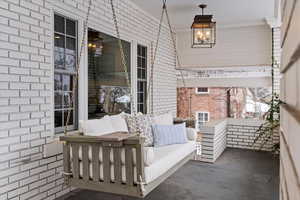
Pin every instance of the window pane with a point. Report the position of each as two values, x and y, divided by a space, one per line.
67 100
58 120
67 82
58 100
145 52
141 108
140 86
140 97
139 63
59 24
57 82
71 118
59 41
143 74
140 73
71 27
71 46
144 63
70 63
108 92
59 60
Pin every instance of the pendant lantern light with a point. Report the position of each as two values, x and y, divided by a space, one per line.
203 30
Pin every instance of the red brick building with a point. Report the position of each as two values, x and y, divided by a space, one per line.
202 104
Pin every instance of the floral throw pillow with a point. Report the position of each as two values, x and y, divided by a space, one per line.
141 124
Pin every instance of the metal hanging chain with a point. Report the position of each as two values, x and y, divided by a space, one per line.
188 97
153 57
75 79
124 64
174 45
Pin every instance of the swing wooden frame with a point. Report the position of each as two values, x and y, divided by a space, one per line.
73 142
129 188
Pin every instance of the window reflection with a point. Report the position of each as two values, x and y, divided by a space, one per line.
65 52
108 90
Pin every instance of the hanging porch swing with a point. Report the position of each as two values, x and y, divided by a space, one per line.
118 163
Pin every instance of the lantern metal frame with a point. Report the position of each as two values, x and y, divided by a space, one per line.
202 22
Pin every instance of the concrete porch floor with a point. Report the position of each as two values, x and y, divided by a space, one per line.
237 175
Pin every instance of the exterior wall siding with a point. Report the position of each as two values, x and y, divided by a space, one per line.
26 85
290 94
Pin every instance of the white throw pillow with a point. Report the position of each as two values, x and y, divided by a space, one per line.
118 123
164 119
97 127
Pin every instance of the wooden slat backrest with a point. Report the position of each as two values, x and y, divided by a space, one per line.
96 162
129 165
118 164
75 160
116 146
106 164
85 162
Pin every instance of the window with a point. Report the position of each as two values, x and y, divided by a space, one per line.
202 90
142 79
108 91
65 58
202 117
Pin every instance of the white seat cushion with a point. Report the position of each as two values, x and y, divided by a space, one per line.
118 123
167 157
96 127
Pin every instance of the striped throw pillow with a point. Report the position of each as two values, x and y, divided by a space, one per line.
169 134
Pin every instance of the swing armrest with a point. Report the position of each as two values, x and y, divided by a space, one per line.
114 137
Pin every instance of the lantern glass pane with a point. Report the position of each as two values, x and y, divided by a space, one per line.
203 36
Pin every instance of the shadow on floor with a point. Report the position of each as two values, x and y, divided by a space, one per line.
237 175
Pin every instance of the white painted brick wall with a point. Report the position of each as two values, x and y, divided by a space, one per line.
241 134
213 140
233 133
26 83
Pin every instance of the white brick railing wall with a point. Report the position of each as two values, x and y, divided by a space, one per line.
26 82
241 133
213 141
233 133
